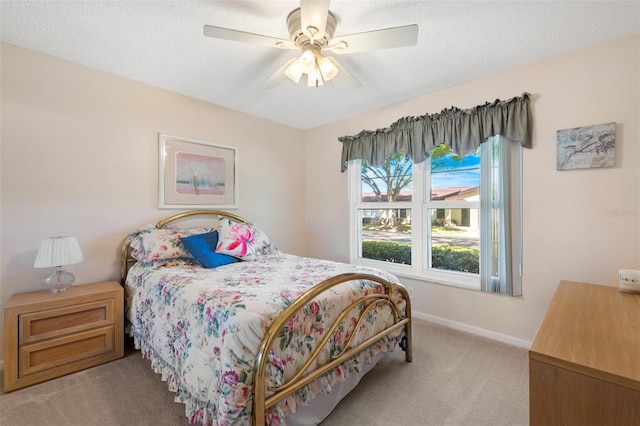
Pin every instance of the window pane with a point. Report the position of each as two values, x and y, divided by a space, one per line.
389 182
455 240
386 235
454 178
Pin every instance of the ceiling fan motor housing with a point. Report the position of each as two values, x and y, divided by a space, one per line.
302 40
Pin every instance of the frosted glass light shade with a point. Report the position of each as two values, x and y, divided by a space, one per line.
57 252
314 79
327 68
294 71
307 61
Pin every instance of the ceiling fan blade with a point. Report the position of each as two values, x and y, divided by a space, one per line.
244 37
374 40
277 77
313 13
343 80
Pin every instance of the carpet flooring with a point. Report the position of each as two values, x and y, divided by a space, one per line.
455 378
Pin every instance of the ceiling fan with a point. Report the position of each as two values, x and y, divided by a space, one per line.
311 30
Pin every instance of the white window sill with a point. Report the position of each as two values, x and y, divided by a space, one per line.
451 279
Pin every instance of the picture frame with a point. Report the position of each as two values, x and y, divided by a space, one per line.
196 174
586 147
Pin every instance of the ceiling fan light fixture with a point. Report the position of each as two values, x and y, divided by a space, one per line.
314 78
307 61
327 68
294 71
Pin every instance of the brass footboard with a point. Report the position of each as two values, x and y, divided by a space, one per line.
261 402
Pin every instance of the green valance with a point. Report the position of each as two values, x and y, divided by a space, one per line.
462 130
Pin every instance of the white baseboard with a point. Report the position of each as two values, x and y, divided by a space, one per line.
510 340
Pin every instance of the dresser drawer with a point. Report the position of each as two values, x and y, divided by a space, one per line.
66 350
57 322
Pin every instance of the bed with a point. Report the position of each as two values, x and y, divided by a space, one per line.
246 334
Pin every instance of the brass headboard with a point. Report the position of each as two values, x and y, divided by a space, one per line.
125 256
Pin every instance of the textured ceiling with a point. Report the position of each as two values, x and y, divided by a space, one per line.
161 43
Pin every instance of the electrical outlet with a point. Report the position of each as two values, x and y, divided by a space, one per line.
410 291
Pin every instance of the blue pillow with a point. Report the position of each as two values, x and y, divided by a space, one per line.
203 248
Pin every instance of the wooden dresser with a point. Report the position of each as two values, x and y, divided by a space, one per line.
584 363
49 334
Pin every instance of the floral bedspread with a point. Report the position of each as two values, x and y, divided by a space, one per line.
201 329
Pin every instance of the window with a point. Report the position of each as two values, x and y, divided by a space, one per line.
450 219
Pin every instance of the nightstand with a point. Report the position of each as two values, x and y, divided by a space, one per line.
49 335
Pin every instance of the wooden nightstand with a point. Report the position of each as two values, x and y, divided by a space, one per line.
48 335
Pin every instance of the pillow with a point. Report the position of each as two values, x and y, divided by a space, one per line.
262 244
150 244
235 239
203 246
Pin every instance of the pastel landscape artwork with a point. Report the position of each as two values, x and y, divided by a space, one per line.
199 174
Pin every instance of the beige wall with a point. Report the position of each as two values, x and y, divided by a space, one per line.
567 231
79 157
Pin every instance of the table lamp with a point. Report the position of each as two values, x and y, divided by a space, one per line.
57 252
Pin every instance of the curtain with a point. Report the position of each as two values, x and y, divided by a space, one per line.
495 205
462 130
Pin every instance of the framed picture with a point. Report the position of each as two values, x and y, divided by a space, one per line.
586 147
194 174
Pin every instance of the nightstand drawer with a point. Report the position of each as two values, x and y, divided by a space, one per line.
58 322
54 353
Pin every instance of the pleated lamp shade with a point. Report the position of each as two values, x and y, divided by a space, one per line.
57 252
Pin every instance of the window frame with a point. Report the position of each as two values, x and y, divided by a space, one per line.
420 206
